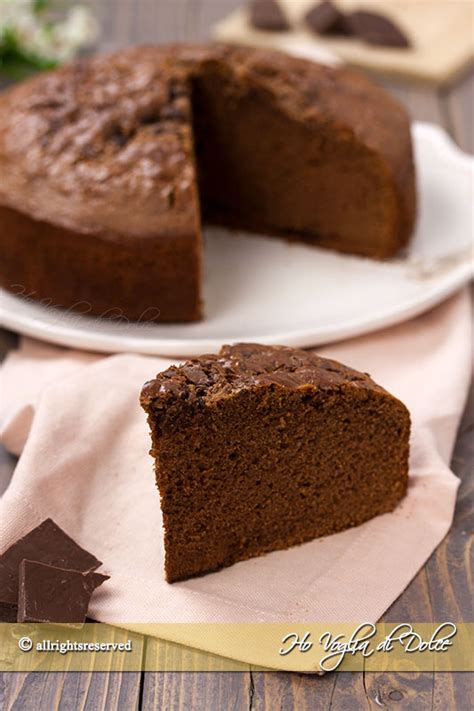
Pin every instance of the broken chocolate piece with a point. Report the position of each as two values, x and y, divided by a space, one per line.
268 15
47 543
376 29
51 594
326 19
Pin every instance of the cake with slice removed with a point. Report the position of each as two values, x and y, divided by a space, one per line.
261 448
109 167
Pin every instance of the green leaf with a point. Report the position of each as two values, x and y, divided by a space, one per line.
17 63
40 5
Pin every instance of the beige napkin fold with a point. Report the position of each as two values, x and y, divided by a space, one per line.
84 441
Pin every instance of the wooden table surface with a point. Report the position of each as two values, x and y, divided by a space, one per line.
441 590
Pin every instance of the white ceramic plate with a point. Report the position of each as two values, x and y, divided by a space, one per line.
268 291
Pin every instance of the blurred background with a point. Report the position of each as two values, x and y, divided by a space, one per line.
47 32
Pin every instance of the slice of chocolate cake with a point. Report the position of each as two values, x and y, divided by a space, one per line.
260 448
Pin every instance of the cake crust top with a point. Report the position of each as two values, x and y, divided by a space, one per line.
101 145
106 145
248 365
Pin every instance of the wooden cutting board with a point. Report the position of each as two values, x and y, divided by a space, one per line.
441 33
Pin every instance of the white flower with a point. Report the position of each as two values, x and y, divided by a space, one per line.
35 34
79 29
17 17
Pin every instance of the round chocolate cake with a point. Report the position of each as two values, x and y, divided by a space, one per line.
109 167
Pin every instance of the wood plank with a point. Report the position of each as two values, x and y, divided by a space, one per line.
422 102
442 691
303 692
412 692
158 22
199 691
70 691
209 12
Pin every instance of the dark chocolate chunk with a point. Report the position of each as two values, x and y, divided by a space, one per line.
51 594
376 29
326 19
47 543
268 15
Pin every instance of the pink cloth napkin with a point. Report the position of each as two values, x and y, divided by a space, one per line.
84 461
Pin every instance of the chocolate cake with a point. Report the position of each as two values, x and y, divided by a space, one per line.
260 448
97 186
109 166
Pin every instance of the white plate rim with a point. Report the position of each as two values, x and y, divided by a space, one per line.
65 335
